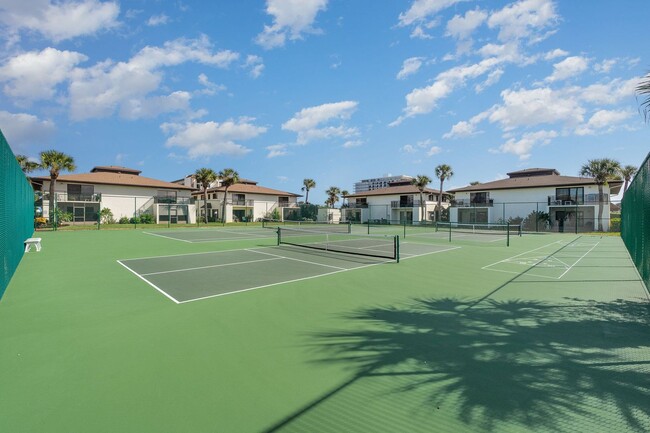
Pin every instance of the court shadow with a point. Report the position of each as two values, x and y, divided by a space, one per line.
493 366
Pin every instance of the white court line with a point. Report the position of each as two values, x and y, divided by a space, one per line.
150 283
205 241
578 260
525 252
338 269
166 237
412 256
210 266
298 260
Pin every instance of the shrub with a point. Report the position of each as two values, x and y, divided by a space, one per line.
106 216
124 220
146 218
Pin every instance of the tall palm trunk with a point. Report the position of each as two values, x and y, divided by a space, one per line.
600 207
439 208
422 208
306 196
205 205
53 177
223 206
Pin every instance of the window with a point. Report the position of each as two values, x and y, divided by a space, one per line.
167 196
570 195
80 192
239 199
479 197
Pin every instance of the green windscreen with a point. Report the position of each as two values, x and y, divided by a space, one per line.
635 220
16 213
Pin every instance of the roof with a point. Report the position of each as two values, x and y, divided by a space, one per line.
112 178
249 188
115 169
536 181
534 172
393 190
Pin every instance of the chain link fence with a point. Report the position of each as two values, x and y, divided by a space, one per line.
635 220
16 213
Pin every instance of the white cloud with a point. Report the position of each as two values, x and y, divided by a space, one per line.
434 150
34 75
419 33
212 138
421 10
605 66
554 54
524 19
157 20
409 148
276 150
101 89
59 20
352 143
309 123
567 68
154 106
424 100
492 78
603 121
608 93
460 130
410 67
461 27
24 130
537 106
523 147
210 87
255 64
291 18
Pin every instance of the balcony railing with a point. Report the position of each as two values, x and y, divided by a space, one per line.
573 201
353 205
468 203
173 200
61 197
405 203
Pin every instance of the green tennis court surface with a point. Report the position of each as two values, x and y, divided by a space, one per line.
551 334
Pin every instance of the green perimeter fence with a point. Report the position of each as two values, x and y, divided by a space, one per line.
635 220
16 212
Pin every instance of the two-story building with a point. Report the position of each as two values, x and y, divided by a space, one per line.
123 191
540 198
245 201
398 203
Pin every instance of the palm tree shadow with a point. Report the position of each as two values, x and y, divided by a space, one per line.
530 363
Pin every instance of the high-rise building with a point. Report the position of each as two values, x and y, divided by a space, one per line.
379 182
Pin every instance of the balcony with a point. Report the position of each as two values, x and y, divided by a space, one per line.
62 197
468 203
173 200
576 201
404 203
355 205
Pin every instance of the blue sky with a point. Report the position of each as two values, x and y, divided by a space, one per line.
334 90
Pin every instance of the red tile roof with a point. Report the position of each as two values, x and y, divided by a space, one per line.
112 178
250 189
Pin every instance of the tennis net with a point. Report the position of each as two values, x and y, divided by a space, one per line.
382 246
480 228
320 226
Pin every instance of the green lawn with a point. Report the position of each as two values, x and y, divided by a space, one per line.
551 334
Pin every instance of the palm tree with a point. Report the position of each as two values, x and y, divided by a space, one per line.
26 165
601 170
420 182
627 173
205 176
332 195
643 88
443 172
307 185
56 162
343 194
228 178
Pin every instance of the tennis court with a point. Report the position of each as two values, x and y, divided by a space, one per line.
303 255
131 331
